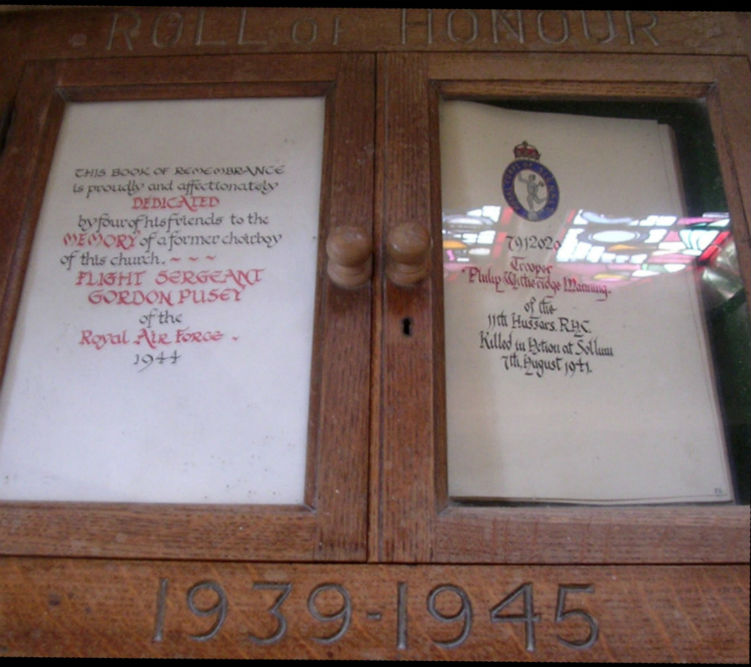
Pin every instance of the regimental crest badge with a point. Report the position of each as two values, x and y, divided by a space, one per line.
528 186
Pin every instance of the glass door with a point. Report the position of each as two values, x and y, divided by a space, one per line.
176 350
574 379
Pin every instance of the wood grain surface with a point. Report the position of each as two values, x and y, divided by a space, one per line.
80 607
378 563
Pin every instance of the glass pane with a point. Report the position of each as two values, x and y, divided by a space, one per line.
589 310
162 347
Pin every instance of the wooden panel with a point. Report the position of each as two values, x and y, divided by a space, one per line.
543 69
333 524
181 609
729 107
593 534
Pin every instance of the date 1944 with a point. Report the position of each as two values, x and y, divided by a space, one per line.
516 607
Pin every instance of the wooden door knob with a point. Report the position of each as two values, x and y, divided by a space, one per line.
407 253
350 256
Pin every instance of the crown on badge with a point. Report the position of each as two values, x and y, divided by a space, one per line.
524 150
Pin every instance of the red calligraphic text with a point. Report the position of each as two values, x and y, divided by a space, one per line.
192 203
100 340
187 336
110 278
163 297
240 278
96 240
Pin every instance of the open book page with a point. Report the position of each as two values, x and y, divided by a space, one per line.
576 354
162 348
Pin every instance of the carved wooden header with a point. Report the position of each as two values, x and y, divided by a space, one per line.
154 30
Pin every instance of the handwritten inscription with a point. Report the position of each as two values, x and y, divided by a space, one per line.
224 29
537 341
539 338
142 254
446 603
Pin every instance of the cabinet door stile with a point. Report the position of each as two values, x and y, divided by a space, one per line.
346 316
408 371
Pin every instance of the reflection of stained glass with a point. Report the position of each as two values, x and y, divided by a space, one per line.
614 236
471 235
595 246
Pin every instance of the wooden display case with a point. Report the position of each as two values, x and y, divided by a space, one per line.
378 561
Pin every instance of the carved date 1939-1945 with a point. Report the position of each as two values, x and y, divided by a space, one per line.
517 607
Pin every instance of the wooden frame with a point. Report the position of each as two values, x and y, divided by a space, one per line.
377 561
331 525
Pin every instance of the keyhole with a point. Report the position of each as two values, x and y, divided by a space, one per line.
407 326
